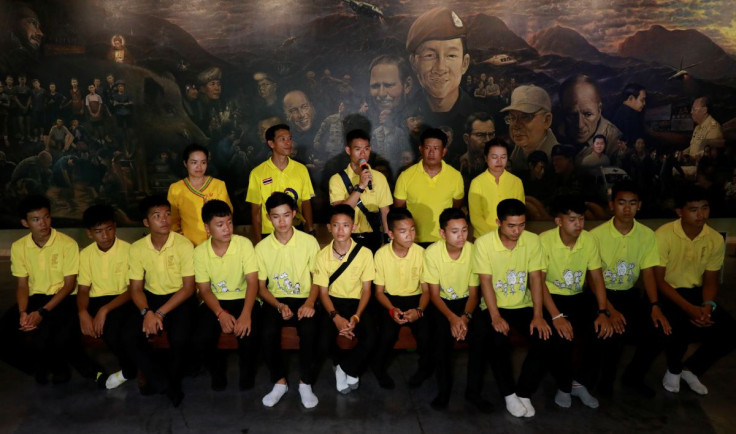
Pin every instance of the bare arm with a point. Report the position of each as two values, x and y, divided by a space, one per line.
538 321
255 218
650 286
399 203
307 213
602 324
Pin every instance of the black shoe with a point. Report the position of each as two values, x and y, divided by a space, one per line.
219 382
385 381
638 386
418 378
440 402
481 404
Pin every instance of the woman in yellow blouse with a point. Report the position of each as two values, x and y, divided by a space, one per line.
189 195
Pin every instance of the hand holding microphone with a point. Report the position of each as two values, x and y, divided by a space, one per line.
365 168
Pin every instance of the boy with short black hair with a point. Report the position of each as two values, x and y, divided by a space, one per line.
226 274
691 258
103 300
453 288
286 261
37 330
344 274
400 291
161 274
571 254
509 264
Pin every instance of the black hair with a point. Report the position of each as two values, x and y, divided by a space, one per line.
215 208
190 149
690 193
271 131
495 142
277 199
564 204
97 215
342 209
433 133
632 89
537 157
625 186
397 214
510 208
477 116
33 202
152 201
600 136
356 134
452 214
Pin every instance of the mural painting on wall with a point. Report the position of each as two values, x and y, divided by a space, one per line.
98 98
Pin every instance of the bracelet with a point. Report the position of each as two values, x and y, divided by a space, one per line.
357 318
221 312
391 312
560 315
43 311
161 314
420 311
278 307
710 303
654 303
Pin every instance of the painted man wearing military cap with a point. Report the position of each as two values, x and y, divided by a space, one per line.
529 117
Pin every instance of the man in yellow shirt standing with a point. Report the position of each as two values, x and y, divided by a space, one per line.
509 264
364 189
279 174
226 275
286 261
161 273
404 298
344 274
491 187
429 187
691 255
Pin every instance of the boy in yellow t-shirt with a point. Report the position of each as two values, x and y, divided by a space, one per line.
161 274
285 265
509 264
226 275
344 273
103 300
454 291
692 255
405 298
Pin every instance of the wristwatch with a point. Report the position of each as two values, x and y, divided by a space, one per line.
144 311
333 314
469 315
359 189
43 311
605 312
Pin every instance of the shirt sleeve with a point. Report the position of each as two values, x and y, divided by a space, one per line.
537 260
18 266
459 187
476 207
85 273
651 256
384 198
430 271
594 257
135 266
71 258
337 189
313 252
714 261
518 192
187 259
400 189
307 189
254 189
380 270
321 273
262 268
481 260
201 273
369 272
662 246
175 217
250 262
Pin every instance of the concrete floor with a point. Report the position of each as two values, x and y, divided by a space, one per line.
78 406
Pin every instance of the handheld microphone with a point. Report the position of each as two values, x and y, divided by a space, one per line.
364 166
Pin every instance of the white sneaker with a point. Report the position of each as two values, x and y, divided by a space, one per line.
353 382
309 399
274 396
341 380
115 380
527 403
515 406
671 382
694 383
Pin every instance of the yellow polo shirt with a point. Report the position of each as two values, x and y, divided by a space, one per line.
509 268
374 200
686 260
624 256
454 276
186 206
484 196
106 273
45 267
350 282
267 179
226 274
287 267
427 197
566 267
399 276
161 270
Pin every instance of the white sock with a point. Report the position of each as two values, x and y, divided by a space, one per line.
671 382
527 403
115 380
694 383
353 382
341 380
274 396
563 399
515 406
580 391
309 399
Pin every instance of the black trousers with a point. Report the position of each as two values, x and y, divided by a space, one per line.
306 328
562 352
178 325
444 344
639 331
486 340
388 334
207 333
112 331
716 341
353 361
